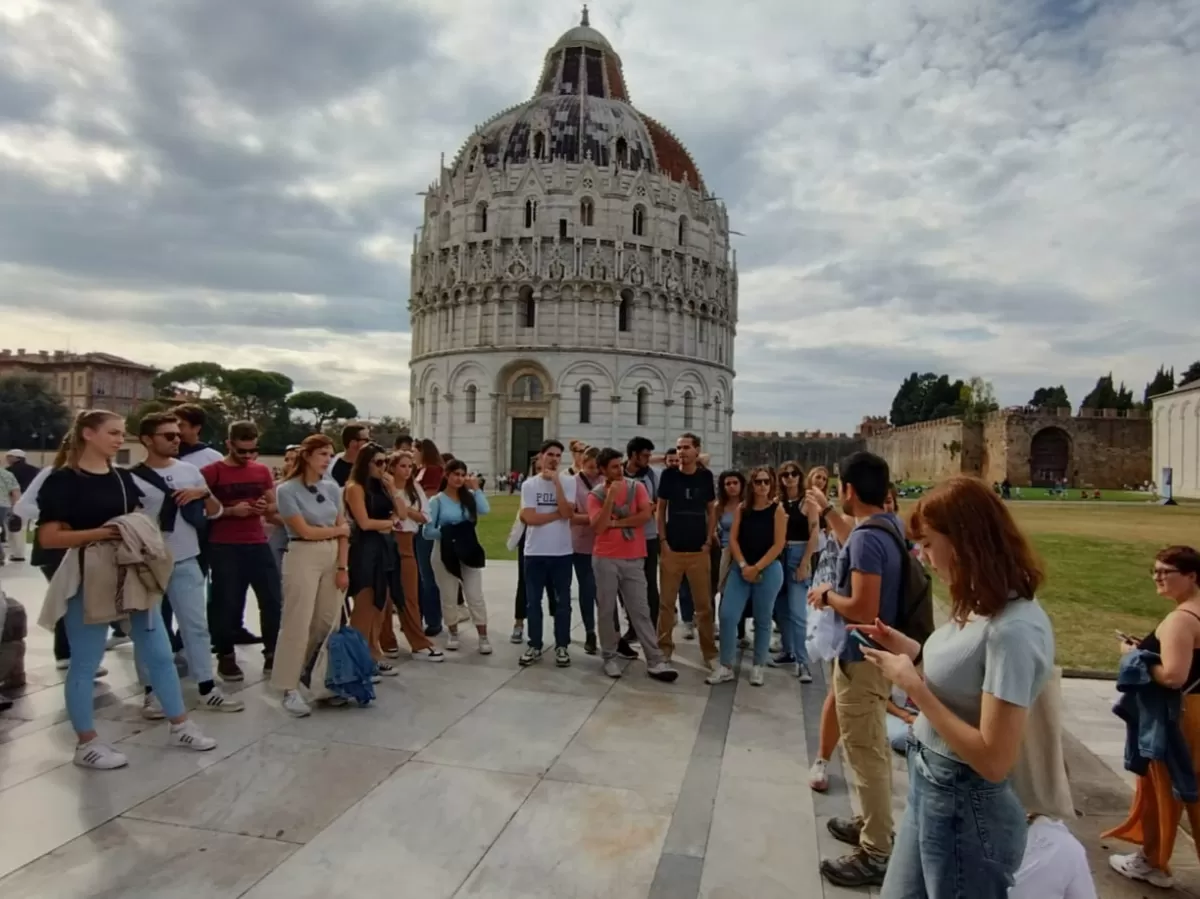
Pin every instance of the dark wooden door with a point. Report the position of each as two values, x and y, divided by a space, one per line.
527 437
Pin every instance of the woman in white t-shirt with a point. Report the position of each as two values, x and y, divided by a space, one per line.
413 502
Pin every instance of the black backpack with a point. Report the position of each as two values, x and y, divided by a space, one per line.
915 618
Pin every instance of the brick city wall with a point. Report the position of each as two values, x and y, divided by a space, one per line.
930 450
807 448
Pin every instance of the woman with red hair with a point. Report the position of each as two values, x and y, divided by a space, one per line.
964 828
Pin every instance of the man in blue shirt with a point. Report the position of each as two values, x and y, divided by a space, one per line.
869 586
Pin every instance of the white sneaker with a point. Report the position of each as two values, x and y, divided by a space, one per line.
152 709
818 776
216 701
485 646
452 642
189 736
757 677
430 655
1135 867
294 704
114 642
62 664
386 670
720 675
99 755
663 672
392 653
612 668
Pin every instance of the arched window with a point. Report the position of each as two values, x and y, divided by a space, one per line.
622 152
587 212
527 388
539 145
625 310
481 212
433 407
683 230
585 404
639 221
472 395
689 403
528 306
530 213
643 406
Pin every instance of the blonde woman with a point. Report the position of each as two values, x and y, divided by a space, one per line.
315 566
412 505
77 504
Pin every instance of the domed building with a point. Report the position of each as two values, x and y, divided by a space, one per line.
572 279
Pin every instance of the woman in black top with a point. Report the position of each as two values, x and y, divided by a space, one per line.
791 606
75 507
374 510
755 542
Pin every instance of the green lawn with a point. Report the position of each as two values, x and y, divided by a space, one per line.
493 528
1042 494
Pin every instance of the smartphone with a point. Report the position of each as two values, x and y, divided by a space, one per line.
1125 638
864 639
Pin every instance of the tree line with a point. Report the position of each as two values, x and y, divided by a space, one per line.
32 414
925 397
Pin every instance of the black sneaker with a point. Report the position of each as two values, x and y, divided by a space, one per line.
858 869
589 644
846 830
531 656
227 668
627 652
244 638
784 658
268 662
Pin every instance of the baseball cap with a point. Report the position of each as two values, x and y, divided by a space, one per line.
16 453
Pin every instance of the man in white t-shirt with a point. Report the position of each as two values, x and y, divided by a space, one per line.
547 504
176 495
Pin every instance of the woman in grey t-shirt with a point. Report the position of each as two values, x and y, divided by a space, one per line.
963 832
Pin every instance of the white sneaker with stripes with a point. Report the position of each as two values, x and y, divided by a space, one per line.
188 736
99 755
216 701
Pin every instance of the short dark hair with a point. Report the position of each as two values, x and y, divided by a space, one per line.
243 430
606 457
191 414
688 435
1185 558
671 451
550 444
639 445
350 432
404 440
151 423
869 475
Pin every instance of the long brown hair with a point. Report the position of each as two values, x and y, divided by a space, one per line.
430 457
360 474
790 466
73 444
309 445
748 491
410 487
993 561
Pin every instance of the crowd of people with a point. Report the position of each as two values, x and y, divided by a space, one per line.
389 535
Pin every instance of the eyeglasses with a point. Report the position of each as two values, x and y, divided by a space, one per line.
172 436
313 490
788 475
762 482
1158 573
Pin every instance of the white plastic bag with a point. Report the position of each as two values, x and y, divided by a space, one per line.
826 635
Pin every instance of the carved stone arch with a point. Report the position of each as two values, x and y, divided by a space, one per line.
644 375
465 373
690 378
511 373
598 376
426 380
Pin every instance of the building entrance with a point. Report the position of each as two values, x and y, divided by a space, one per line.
527 437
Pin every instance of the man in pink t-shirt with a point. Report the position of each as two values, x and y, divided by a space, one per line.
619 508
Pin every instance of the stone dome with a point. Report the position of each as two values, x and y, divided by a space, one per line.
581 112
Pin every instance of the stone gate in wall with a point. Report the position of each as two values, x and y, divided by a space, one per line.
1030 447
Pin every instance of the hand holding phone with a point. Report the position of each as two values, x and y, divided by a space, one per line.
1128 640
866 641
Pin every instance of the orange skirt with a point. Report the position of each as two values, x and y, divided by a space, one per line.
1153 821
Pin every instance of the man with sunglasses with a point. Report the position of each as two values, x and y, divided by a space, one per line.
176 495
239 555
355 438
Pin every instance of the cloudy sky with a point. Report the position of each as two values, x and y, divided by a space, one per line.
1003 188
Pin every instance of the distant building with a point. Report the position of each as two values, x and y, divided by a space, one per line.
1177 440
86 380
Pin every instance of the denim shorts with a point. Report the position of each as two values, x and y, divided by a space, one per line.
962 837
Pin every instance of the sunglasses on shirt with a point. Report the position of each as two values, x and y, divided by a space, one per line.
313 490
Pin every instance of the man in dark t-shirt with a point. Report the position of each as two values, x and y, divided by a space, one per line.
238 553
686 522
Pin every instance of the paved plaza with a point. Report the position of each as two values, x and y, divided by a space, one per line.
470 778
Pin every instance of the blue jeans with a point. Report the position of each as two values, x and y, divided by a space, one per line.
762 598
150 644
555 571
792 605
429 599
687 608
187 591
961 836
587 590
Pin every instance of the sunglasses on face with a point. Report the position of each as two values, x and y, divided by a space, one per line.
172 436
238 451
762 482
788 475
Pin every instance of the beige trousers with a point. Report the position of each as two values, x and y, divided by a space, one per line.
311 603
472 588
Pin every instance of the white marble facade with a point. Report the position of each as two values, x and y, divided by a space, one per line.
1177 440
573 279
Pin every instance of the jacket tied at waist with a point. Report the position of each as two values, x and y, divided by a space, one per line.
116 576
1153 732
461 548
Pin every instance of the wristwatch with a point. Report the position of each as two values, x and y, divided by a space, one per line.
342 568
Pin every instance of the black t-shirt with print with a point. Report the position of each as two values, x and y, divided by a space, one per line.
82 500
687 497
